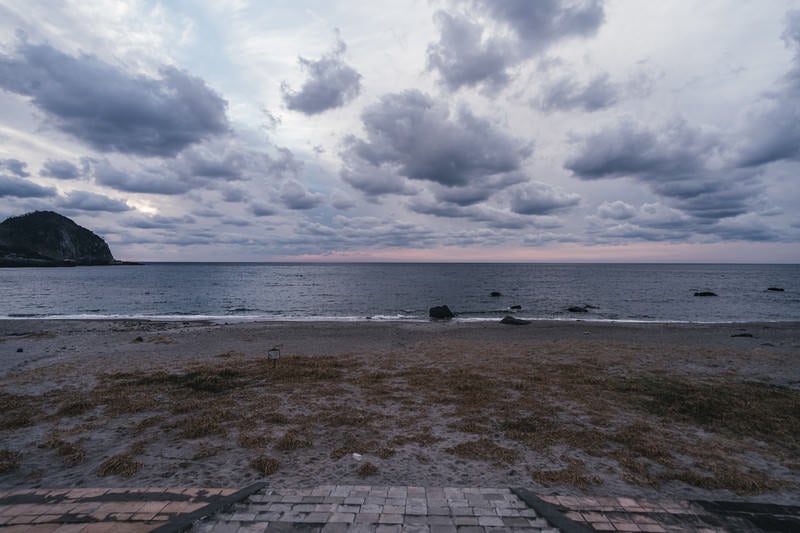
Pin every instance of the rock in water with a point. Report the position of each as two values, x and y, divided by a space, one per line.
45 238
578 309
440 312
705 293
514 321
775 289
495 294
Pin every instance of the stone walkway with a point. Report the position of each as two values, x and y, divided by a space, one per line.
132 510
371 509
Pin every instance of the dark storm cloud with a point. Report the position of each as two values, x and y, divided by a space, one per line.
491 217
15 166
773 132
158 222
469 54
565 94
331 83
541 199
409 135
462 57
261 210
213 164
295 196
677 163
89 201
60 169
113 110
631 149
22 188
141 180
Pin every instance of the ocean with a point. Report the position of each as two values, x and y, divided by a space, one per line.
401 292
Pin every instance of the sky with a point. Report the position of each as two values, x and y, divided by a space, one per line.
408 130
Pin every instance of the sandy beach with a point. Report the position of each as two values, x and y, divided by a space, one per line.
570 408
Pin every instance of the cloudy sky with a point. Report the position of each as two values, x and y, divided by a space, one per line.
477 130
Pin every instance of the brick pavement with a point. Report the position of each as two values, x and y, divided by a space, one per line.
132 510
373 509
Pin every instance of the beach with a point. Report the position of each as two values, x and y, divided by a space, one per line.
708 411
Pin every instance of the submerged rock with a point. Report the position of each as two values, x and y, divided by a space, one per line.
508 319
578 309
775 289
705 293
441 312
495 294
516 308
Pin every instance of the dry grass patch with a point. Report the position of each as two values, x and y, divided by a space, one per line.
265 465
9 461
71 454
253 440
123 465
484 450
17 411
743 481
367 470
292 440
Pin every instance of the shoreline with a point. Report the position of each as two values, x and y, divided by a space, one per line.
564 407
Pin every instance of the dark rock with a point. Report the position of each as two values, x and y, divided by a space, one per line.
742 335
19 350
514 321
775 289
441 312
495 294
45 238
578 309
705 293
516 308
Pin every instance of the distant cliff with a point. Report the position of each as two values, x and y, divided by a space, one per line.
45 238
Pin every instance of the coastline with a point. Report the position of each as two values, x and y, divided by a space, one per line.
565 407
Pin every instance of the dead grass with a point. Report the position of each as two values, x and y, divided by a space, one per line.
484 450
265 465
253 440
71 454
367 470
9 461
122 465
292 440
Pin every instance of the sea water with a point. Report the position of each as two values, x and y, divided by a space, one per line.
380 291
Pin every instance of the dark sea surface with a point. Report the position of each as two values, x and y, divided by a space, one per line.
281 291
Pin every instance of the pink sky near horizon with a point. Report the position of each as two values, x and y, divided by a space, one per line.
746 252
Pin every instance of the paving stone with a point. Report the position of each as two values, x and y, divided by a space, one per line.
443 529
390 518
342 517
317 518
438 511
465 520
395 501
394 509
368 518
268 517
440 520
462 511
354 500
415 529
347 508
490 521
515 521
412 520
334 527
384 528
416 510
371 508
484 511
470 529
